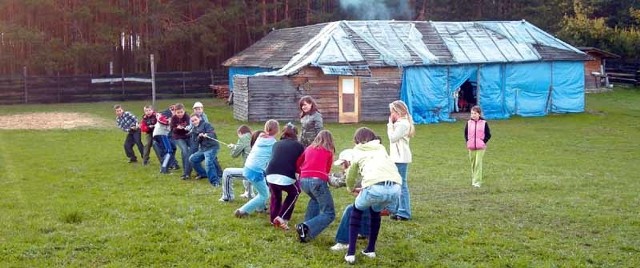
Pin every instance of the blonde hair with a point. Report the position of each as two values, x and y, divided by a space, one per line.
271 127
324 139
401 109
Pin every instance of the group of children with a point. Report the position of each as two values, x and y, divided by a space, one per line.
168 131
279 161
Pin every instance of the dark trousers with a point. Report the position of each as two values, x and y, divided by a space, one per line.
133 138
148 144
279 208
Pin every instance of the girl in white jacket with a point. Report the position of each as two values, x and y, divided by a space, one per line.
400 129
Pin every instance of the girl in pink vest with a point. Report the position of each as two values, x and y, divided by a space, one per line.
476 134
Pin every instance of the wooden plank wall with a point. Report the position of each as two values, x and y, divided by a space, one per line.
271 97
591 81
240 98
259 98
377 92
323 88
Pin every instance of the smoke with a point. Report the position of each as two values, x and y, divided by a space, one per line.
377 9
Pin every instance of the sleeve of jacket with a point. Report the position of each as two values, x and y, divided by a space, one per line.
352 175
242 143
317 118
329 163
466 132
143 126
487 132
397 131
299 162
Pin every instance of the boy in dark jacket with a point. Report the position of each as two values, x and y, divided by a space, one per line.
207 150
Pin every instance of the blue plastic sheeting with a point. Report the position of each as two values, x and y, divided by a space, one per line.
491 96
527 88
244 71
424 90
568 87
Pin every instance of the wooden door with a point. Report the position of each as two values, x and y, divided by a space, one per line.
349 99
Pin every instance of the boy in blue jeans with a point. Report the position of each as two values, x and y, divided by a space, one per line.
207 150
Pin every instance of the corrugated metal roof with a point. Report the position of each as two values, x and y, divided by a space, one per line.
403 43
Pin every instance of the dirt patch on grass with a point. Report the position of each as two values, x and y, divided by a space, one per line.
52 121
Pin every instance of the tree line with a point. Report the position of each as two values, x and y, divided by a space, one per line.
113 36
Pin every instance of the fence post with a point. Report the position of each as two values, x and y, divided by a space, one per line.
26 91
184 90
122 82
153 80
58 85
212 79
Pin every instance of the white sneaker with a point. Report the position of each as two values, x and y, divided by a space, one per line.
245 195
350 259
477 185
369 254
340 247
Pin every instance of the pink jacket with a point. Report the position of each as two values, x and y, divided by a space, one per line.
475 134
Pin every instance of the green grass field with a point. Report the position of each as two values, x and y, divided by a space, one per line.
560 191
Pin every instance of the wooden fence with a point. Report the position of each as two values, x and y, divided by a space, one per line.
88 88
623 72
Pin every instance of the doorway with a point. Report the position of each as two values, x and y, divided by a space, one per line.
348 99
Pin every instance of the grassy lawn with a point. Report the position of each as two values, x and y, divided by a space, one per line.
560 190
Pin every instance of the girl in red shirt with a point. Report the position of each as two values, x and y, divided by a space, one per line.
314 166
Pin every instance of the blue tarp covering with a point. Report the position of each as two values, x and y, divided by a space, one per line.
491 94
568 87
524 89
424 90
527 88
244 71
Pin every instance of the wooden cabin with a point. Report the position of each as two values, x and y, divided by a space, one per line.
354 69
594 69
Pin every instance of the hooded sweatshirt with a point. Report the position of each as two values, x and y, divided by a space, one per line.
371 162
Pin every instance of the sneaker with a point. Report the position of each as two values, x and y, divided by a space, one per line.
240 214
245 195
280 223
399 218
199 177
164 171
184 177
303 232
476 185
133 160
223 199
340 247
350 259
369 254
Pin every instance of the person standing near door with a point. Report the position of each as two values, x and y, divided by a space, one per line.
310 119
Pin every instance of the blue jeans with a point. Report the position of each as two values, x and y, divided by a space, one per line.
377 196
320 210
183 144
342 235
209 157
402 206
260 184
